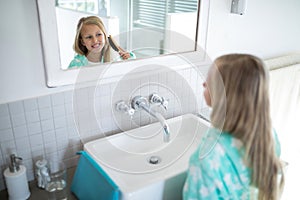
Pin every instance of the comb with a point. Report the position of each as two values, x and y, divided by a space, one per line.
113 44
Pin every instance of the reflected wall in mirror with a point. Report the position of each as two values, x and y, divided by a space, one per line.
143 27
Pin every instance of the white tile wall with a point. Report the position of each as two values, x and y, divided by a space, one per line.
49 126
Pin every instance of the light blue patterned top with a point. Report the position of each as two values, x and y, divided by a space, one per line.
217 170
81 60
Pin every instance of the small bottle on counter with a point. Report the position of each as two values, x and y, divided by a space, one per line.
42 173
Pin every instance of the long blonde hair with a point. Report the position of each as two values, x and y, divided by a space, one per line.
81 49
247 117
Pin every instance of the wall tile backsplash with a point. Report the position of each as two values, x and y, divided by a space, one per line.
49 126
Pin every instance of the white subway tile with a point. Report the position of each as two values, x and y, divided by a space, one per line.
61 132
7 148
84 121
69 108
60 122
47 125
144 91
58 110
44 101
50 148
103 90
36 140
80 92
6 134
105 123
34 128
22 144
30 105
171 76
114 125
5 122
63 153
46 113
37 152
20 131
58 99
18 119
16 107
162 78
70 120
81 103
49 137
68 97
106 104
4 110
91 92
32 116
62 143
72 131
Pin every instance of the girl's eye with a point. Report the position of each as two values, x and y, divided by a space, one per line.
98 34
88 37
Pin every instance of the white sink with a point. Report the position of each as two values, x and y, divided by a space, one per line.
125 158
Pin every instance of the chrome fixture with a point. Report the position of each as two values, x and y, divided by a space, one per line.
14 163
140 102
121 106
154 160
157 100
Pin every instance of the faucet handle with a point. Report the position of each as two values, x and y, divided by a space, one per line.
138 101
156 99
165 103
123 107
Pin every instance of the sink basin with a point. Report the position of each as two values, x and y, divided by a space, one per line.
142 164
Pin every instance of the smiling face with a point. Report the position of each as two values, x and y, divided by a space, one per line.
92 38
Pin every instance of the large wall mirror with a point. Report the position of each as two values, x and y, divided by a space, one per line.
146 28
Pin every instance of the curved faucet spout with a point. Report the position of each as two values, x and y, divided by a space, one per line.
165 126
159 117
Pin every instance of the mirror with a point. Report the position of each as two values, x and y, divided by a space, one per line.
123 18
140 26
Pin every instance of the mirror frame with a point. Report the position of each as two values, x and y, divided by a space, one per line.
55 76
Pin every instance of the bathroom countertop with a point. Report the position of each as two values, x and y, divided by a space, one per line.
39 194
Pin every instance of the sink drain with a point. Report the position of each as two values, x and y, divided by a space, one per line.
154 160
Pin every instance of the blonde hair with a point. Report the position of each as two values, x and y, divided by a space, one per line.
81 49
247 117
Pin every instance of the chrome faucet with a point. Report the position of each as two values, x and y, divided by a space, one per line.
121 106
157 100
140 102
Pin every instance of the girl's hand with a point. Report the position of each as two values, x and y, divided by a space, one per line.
125 55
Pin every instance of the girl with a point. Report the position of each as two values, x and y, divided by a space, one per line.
92 45
243 161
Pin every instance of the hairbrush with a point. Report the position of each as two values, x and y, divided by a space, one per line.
113 44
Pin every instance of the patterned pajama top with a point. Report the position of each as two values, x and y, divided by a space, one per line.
217 169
